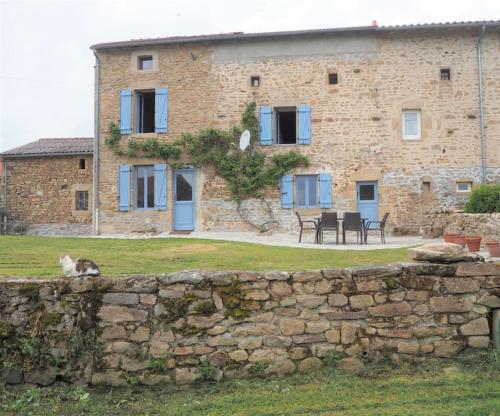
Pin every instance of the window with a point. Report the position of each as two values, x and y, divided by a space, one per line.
82 200
366 192
145 187
81 163
144 111
445 74
145 63
332 78
255 81
411 124
465 186
286 125
306 191
426 187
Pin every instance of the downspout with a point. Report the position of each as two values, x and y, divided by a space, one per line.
95 211
484 162
5 195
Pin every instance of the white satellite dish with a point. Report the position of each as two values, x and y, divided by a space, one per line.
245 140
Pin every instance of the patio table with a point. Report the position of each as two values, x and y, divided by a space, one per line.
364 221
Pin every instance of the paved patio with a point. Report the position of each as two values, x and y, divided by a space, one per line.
290 240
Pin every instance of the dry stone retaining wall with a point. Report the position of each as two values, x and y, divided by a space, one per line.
440 221
181 327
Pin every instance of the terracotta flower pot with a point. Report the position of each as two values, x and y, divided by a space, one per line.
493 248
473 243
459 239
448 237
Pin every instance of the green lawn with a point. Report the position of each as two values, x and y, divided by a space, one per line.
434 389
39 256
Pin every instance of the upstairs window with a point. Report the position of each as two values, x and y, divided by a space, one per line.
145 63
306 191
286 125
445 74
333 78
255 81
82 200
81 163
411 125
145 187
145 111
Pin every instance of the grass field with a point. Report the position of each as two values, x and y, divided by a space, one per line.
39 256
433 389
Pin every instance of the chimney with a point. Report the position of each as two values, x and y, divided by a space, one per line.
374 24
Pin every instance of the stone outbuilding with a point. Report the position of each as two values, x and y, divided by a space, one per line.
47 186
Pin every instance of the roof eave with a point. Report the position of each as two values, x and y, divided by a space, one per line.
271 35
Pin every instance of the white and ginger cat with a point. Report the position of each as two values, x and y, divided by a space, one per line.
78 267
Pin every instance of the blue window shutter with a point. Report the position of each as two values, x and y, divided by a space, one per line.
161 110
161 187
125 111
304 124
124 187
265 126
325 190
287 191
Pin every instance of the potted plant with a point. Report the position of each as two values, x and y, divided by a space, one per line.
473 243
448 237
459 239
493 248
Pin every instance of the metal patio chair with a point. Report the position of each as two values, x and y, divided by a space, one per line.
302 228
352 222
378 226
329 222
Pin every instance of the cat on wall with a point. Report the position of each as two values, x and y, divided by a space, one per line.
78 267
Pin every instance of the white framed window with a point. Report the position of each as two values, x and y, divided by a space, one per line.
464 186
411 124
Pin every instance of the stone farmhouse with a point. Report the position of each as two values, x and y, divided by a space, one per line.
398 119
47 186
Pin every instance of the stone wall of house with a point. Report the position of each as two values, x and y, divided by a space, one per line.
179 327
356 124
42 195
485 225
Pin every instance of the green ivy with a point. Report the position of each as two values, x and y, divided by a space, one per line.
248 173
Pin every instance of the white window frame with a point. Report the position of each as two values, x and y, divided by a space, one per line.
462 191
417 136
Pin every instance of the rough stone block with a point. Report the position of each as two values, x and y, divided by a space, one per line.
478 342
476 327
459 285
337 299
448 349
350 365
112 313
120 298
450 304
290 327
361 301
310 364
303 277
478 269
390 309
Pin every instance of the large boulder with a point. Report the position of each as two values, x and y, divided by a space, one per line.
442 253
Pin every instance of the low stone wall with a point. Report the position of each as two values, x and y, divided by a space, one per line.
59 229
181 327
438 222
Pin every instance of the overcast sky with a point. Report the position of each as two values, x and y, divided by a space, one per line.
46 66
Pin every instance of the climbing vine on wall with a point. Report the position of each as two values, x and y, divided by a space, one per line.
248 173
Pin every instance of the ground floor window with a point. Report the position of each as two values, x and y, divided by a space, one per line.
145 187
306 191
82 200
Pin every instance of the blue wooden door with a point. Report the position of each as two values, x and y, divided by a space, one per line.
367 200
184 204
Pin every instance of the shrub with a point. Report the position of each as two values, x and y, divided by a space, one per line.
484 199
